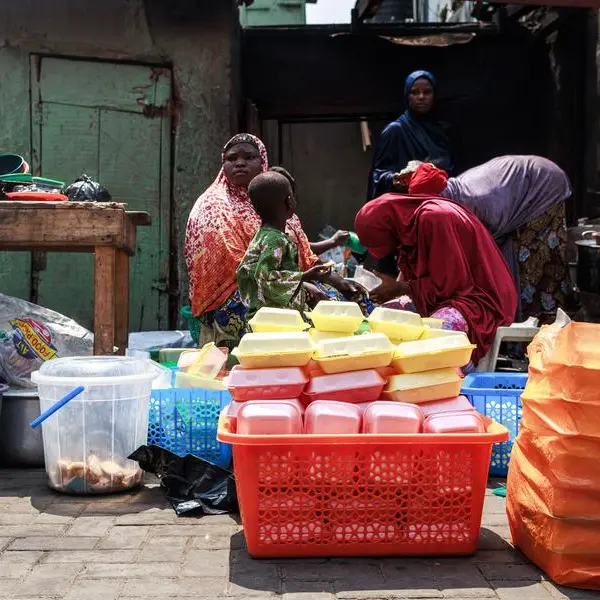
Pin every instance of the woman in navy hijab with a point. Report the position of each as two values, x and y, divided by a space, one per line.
416 135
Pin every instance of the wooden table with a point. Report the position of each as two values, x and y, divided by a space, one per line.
108 230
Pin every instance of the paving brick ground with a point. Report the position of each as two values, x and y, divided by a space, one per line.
133 546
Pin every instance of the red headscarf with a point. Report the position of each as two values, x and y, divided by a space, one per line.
448 258
427 179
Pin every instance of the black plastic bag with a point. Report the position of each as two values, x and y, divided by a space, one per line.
191 483
84 189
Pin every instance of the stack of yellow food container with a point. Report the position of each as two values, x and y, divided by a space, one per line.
419 360
426 358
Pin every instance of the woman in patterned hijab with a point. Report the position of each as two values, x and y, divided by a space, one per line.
219 230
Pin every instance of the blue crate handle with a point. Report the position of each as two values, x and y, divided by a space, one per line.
56 406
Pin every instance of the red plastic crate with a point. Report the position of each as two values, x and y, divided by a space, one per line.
266 384
356 386
361 495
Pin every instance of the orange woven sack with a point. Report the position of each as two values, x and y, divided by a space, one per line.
553 497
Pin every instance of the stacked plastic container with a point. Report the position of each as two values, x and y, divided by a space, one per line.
355 444
184 415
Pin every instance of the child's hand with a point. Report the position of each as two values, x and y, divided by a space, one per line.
318 273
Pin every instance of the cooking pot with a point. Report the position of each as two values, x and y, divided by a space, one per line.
19 444
588 262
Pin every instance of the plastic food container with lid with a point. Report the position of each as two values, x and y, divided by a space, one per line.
266 384
432 332
207 361
432 322
454 422
458 404
392 417
436 353
355 353
423 387
402 325
233 408
269 418
184 380
87 441
366 278
271 320
269 350
325 418
354 386
342 317
318 336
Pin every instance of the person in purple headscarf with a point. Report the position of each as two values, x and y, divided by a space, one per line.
521 201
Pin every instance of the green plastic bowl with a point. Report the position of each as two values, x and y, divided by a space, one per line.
193 323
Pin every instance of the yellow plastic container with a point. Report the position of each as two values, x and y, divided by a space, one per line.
435 353
431 333
317 336
203 362
400 325
355 353
433 323
276 320
418 388
341 317
185 380
267 350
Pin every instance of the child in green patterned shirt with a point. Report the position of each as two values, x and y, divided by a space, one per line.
269 274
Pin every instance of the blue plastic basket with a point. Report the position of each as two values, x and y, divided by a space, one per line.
184 421
498 396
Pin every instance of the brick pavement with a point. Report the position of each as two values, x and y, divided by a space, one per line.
133 546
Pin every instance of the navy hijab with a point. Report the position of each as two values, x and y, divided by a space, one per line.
411 137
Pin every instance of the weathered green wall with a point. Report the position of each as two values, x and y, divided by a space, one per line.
197 40
273 12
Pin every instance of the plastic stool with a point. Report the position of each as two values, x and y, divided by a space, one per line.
517 332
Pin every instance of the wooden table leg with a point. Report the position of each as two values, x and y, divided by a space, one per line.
122 302
104 299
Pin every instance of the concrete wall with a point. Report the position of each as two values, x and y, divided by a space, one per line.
331 171
198 40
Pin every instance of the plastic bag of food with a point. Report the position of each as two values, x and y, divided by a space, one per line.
84 189
553 491
31 334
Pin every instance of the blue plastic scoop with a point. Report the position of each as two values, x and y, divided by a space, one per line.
56 406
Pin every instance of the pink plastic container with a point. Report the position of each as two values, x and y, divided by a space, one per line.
353 386
234 408
454 422
324 417
392 417
269 418
266 384
458 404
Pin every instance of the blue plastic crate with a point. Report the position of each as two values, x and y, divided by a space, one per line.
498 396
184 421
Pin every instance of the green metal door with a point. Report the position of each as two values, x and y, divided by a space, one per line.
110 121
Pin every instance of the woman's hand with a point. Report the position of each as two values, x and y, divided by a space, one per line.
313 294
317 273
350 289
339 238
389 289
400 182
